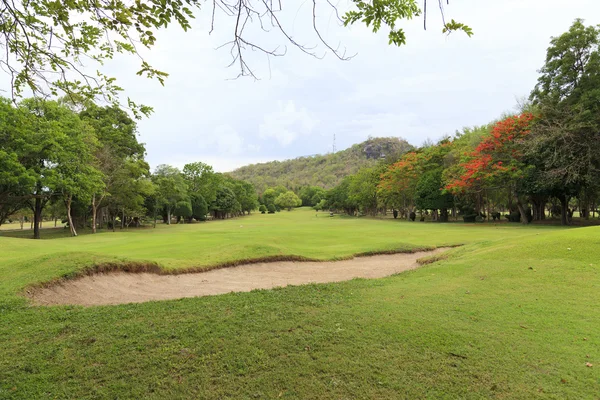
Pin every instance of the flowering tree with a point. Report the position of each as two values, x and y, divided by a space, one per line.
398 183
498 161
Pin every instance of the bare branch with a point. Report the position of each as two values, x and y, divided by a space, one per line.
334 51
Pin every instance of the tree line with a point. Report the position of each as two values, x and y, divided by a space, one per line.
544 159
83 164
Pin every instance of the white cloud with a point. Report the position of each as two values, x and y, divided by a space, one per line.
226 141
287 123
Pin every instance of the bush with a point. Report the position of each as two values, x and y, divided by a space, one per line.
514 216
321 205
271 209
412 216
470 218
395 214
262 209
199 207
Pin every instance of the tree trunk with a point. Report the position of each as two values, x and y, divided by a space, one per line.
564 214
521 209
539 204
168 215
444 215
71 224
94 213
114 221
123 218
522 212
155 216
37 214
587 209
542 210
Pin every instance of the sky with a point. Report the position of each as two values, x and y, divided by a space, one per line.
429 88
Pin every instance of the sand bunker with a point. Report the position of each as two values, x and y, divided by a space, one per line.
121 287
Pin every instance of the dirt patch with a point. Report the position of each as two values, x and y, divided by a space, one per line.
124 287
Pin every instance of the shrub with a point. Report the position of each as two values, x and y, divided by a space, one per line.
199 207
470 218
271 209
514 216
262 209
412 216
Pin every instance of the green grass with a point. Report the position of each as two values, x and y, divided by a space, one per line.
512 314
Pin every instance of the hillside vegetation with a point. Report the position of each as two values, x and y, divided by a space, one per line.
325 170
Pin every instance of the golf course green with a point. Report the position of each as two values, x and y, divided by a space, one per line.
511 313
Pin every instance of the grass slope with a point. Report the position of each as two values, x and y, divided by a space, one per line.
297 233
513 314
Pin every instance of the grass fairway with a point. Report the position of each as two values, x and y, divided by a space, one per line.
512 314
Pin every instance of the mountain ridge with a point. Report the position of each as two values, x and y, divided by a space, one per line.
324 170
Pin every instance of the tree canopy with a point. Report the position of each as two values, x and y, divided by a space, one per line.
84 164
546 155
288 200
47 42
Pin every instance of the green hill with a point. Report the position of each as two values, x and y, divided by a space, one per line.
325 170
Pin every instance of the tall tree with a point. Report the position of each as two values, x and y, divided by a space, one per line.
311 195
119 156
363 188
566 138
171 188
57 148
498 161
429 191
16 180
224 203
201 179
75 175
199 207
338 198
288 200
397 185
